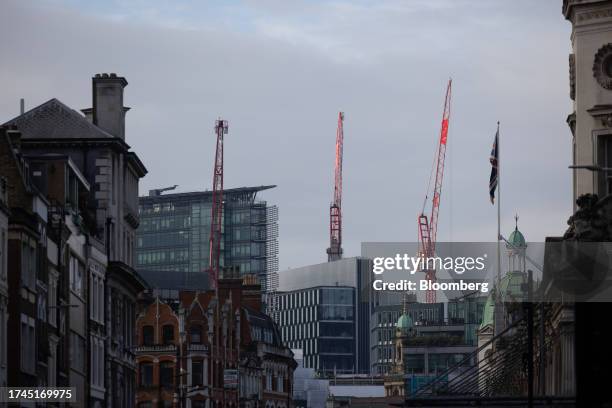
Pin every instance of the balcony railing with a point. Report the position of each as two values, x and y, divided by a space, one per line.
156 348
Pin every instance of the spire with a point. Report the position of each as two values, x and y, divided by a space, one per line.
516 218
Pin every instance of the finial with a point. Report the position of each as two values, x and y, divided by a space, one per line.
516 218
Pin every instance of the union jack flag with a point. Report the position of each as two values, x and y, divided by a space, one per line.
494 162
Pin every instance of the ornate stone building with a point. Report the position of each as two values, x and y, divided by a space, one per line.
200 350
96 144
590 69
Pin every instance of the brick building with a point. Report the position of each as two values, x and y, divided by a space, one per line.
212 350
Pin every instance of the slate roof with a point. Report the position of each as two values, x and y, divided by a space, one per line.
53 119
265 322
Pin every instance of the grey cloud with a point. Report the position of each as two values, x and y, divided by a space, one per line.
384 65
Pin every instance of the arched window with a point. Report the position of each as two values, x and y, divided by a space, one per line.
146 374
195 334
168 334
148 336
166 374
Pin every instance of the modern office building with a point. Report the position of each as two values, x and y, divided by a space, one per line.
323 310
321 321
175 229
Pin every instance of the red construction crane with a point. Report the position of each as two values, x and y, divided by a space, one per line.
428 227
217 206
334 252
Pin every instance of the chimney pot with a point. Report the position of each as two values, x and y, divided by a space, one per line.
108 112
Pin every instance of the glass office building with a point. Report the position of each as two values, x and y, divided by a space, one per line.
321 321
468 311
323 309
175 228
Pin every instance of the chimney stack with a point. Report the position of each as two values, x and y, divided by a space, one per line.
21 106
108 112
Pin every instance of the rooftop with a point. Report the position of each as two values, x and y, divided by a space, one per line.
53 120
202 194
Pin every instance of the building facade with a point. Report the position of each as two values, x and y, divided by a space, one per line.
385 314
322 322
4 215
590 69
26 271
175 231
90 253
324 309
204 350
423 353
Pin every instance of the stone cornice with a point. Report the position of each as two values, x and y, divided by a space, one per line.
571 10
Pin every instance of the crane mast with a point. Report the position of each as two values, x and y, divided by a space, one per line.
216 224
334 252
428 227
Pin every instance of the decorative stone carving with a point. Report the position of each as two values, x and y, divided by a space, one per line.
592 222
590 15
602 66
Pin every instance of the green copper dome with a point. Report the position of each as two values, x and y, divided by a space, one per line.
517 239
404 322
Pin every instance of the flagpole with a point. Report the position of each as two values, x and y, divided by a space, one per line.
498 207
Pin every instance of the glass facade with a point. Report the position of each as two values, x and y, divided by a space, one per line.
467 311
174 233
321 321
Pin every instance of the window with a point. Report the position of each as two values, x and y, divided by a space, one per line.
97 361
166 374
77 352
146 374
28 265
2 336
42 307
148 336
197 372
76 275
2 252
28 344
196 334
605 160
269 381
96 304
52 301
168 334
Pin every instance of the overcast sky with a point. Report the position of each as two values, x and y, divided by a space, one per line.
280 71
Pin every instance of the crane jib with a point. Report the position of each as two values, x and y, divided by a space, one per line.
444 133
